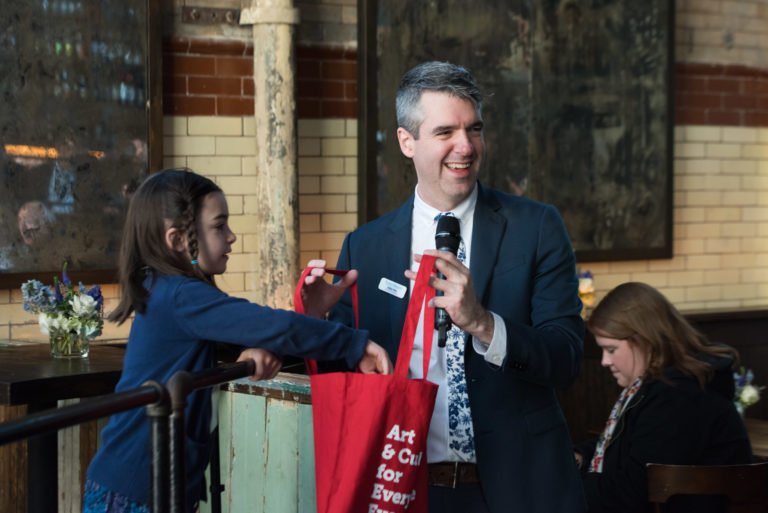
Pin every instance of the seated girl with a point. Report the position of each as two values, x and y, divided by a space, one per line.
676 406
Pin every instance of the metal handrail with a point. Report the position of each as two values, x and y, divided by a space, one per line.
167 436
180 385
151 394
71 415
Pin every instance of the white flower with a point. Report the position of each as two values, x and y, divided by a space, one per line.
70 323
44 320
749 395
90 329
83 305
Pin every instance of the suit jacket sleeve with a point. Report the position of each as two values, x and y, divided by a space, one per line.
544 330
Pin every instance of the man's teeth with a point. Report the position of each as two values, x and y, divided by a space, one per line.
458 166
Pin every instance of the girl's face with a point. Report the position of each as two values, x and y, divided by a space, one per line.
626 361
214 238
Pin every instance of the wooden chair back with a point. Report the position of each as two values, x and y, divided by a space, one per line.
746 486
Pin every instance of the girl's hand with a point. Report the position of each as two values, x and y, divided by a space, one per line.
266 364
375 360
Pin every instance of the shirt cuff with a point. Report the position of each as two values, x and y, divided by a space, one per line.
496 351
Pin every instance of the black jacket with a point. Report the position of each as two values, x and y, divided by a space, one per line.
673 422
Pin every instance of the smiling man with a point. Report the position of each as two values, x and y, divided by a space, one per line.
498 441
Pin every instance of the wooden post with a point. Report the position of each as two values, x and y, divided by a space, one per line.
277 236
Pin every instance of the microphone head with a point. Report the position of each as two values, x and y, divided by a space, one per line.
448 234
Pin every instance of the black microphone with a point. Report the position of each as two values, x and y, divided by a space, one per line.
447 238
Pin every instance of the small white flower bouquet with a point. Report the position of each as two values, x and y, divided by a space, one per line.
70 315
746 394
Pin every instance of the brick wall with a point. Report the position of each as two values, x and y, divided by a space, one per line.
327 186
720 94
721 147
215 78
720 229
720 163
722 32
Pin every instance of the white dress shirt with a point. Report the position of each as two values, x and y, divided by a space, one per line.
422 238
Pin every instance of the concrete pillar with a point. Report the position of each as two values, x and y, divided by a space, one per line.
274 63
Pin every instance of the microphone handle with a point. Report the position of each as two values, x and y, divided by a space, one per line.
442 335
442 320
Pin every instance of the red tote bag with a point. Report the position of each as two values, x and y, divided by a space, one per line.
370 430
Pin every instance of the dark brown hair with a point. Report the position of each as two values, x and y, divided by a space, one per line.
171 198
640 314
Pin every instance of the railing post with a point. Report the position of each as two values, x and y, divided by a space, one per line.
158 413
178 388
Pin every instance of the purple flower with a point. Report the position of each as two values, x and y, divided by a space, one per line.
57 290
64 278
586 274
95 293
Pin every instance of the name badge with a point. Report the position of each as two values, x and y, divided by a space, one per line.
391 287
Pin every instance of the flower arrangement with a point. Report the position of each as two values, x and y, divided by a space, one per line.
70 315
746 394
586 288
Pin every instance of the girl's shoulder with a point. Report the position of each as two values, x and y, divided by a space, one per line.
184 288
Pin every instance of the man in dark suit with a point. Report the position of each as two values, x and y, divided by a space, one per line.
498 440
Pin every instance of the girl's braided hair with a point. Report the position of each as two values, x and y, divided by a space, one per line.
171 198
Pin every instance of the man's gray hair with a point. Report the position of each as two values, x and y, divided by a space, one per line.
432 76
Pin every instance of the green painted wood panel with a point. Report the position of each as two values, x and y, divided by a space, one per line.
267 447
307 495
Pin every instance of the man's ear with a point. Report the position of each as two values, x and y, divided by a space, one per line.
175 240
405 139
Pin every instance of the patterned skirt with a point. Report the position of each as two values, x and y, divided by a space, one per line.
98 499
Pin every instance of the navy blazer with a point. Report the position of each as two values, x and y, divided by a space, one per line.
523 269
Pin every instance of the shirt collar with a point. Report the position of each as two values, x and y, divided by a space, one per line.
427 214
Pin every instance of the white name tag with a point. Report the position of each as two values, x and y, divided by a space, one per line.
391 287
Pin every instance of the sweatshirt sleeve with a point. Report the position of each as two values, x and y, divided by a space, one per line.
207 313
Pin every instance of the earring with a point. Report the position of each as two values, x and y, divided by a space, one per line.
193 262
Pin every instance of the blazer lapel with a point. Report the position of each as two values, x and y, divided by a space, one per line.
487 230
399 239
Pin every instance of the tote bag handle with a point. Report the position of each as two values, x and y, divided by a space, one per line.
421 295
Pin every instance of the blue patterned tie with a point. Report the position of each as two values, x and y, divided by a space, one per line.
461 439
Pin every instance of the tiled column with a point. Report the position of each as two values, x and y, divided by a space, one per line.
274 62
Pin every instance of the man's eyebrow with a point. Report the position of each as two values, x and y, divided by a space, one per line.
443 128
450 128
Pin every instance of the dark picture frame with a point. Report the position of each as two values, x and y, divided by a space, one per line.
578 109
81 127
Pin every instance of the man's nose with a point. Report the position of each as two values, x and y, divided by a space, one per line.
463 143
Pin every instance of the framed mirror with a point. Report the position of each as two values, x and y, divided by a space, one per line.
578 108
80 128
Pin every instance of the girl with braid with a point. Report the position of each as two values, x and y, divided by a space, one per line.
176 238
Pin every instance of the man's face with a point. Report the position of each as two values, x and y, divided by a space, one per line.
449 151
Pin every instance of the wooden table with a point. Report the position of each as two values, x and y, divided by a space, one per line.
29 375
758 437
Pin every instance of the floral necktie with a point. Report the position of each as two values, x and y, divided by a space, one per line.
461 440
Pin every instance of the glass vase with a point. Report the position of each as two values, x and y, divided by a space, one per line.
66 344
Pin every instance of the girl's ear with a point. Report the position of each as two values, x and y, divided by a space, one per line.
175 240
